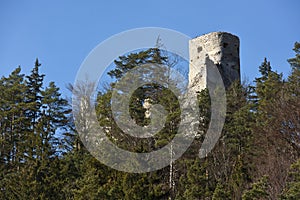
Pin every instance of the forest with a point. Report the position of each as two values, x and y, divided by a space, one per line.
257 156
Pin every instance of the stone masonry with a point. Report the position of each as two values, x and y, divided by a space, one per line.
222 50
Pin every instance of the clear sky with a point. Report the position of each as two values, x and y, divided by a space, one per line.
62 33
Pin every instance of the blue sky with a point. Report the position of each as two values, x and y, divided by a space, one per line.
62 33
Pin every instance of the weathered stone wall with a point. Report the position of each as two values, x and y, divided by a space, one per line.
219 47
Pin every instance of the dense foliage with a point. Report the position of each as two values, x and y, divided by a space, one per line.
257 156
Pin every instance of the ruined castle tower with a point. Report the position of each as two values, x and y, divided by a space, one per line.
218 48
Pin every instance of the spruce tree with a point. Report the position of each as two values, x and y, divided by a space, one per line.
13 142
292 189
258 190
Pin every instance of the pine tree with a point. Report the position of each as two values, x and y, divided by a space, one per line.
238 138
12 115
292 106
292 189
268 86
295 62
287 110
155 94
258 190
33 98
12 125
220 193
30 119
197 182
268 139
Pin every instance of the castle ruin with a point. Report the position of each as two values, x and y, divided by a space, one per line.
222 50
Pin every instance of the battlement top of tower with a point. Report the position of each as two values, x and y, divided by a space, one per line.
218 35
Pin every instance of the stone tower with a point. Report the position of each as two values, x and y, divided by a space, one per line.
220 49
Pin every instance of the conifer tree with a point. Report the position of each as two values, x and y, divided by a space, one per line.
292 189
258 190
12 127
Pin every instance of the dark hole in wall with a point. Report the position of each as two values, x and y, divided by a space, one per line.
199 49
225 44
